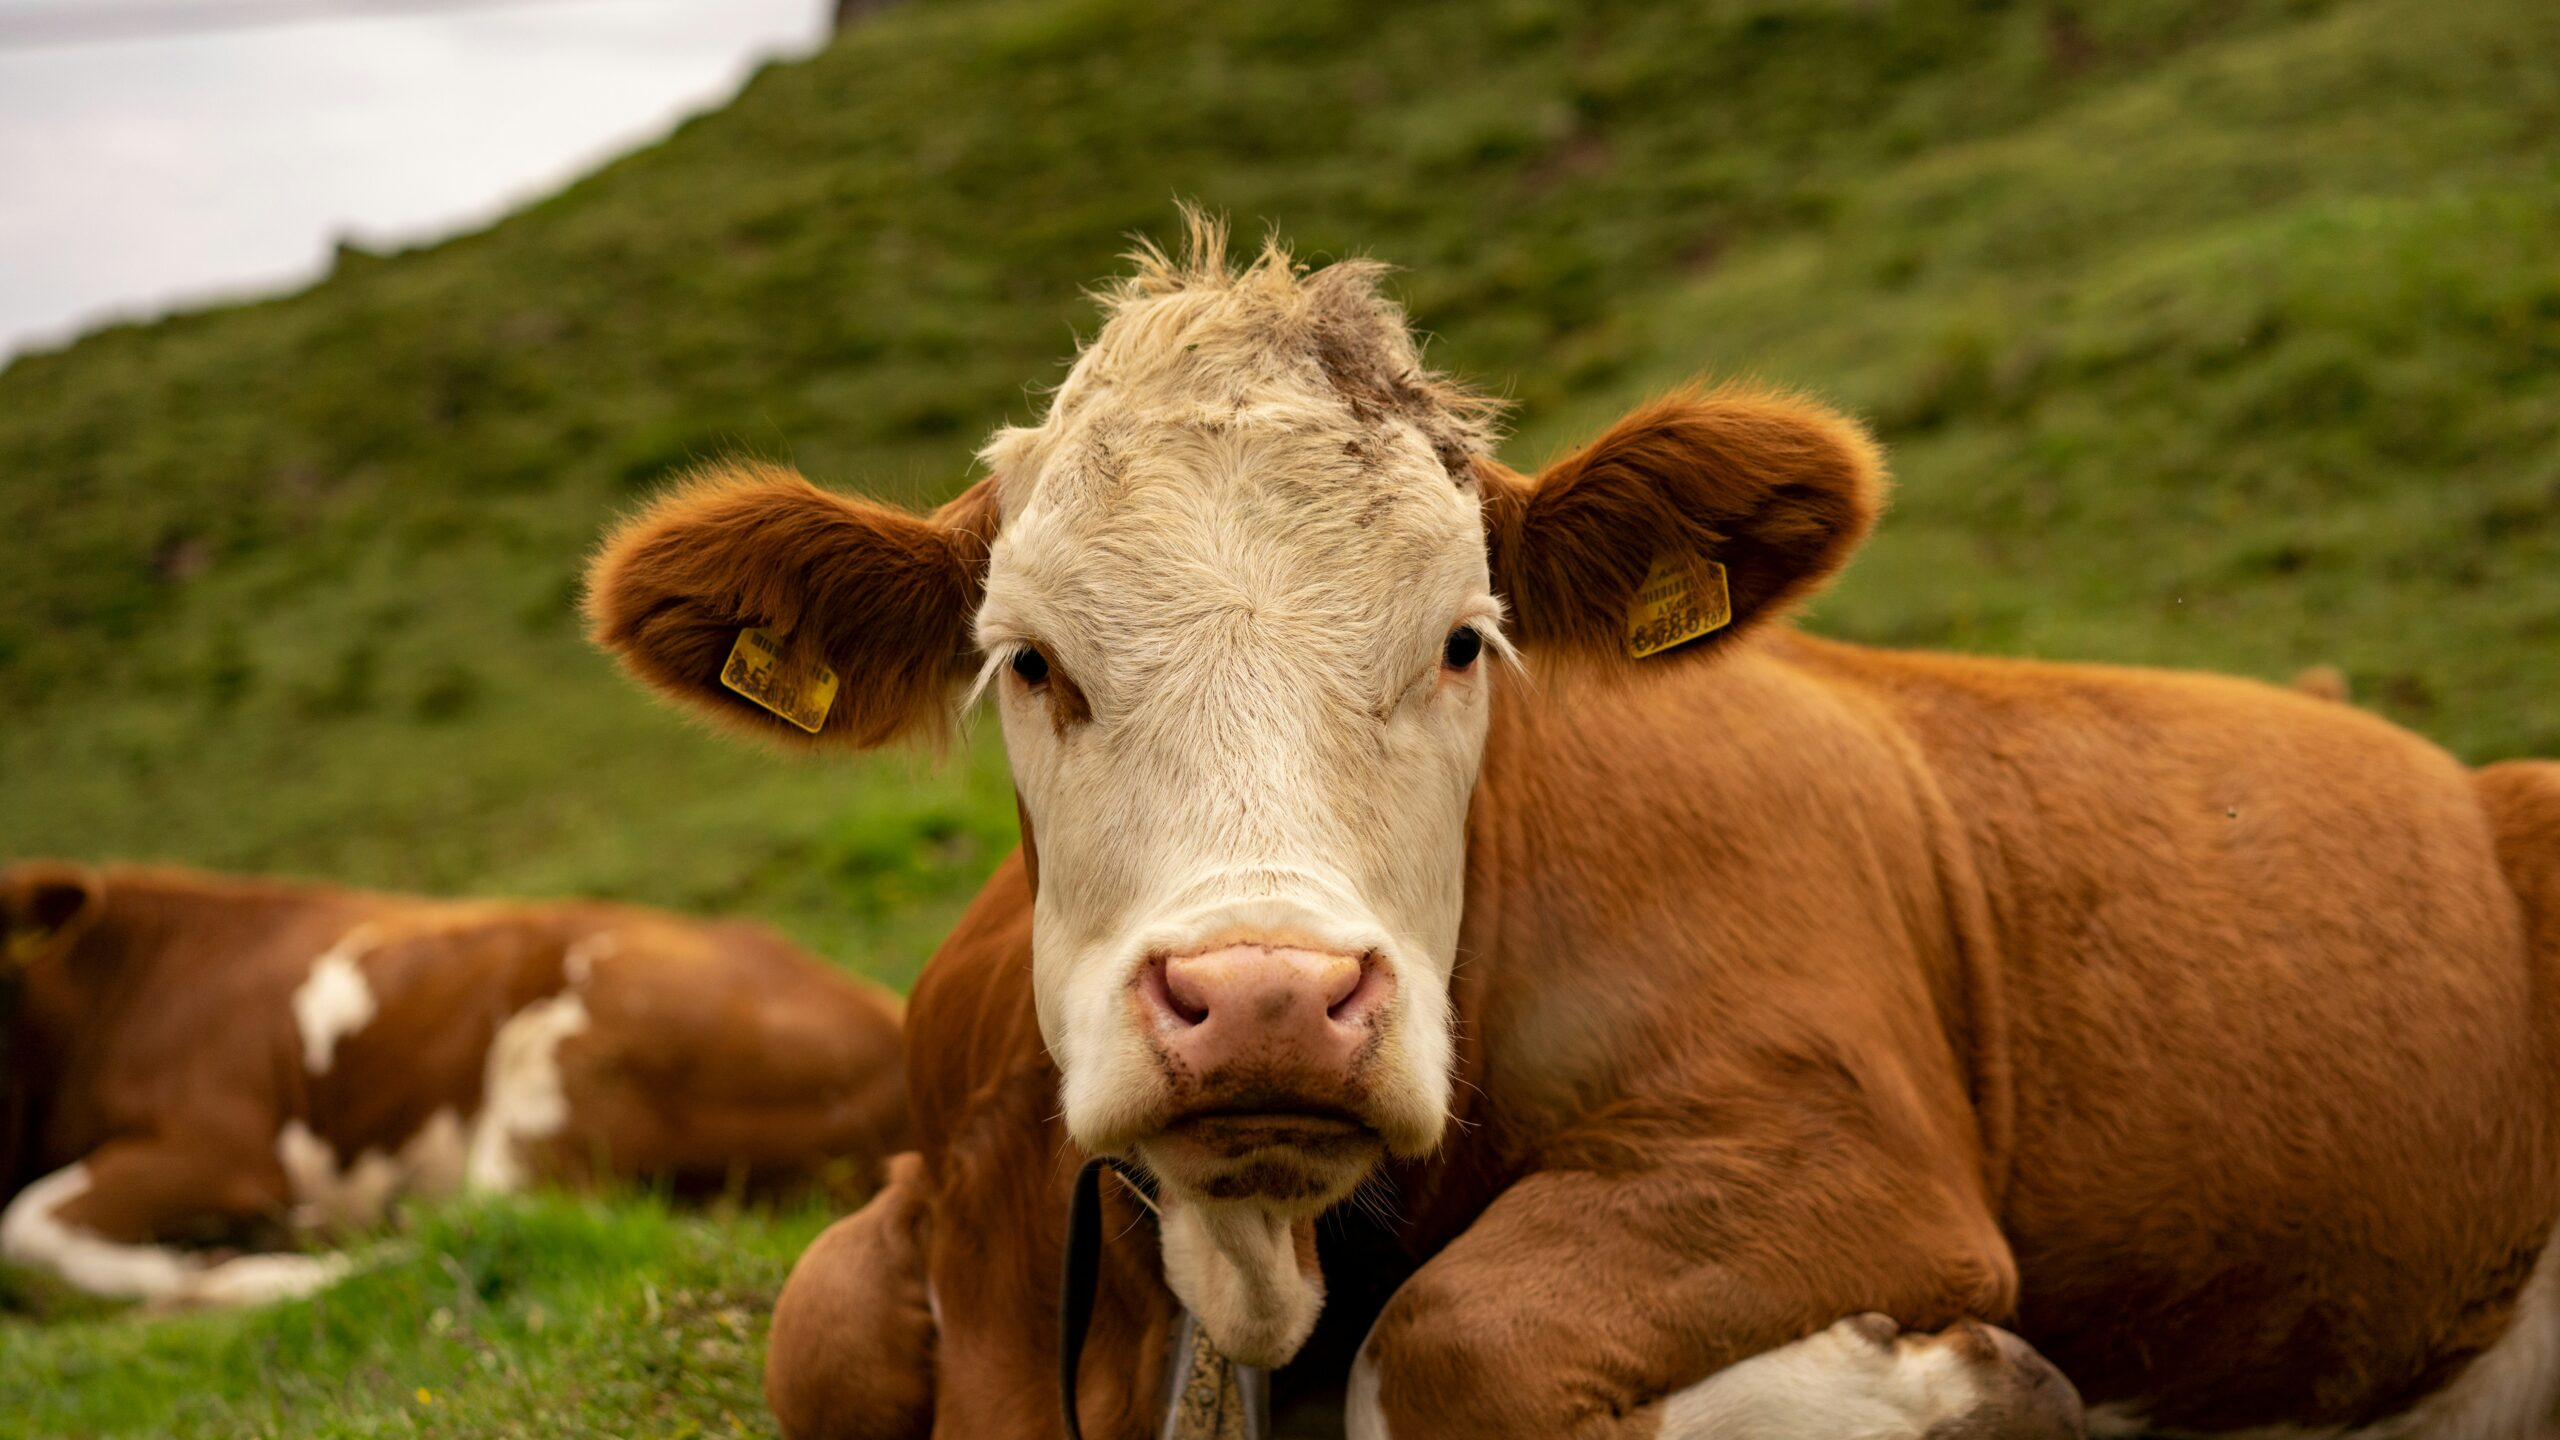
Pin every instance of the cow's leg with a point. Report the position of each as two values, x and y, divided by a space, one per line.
1671 1302
1864 1376
851 1354
99 1224
1867 1376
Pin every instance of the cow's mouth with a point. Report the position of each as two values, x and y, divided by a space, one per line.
1311 1156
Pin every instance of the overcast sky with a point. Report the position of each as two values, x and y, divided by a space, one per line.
148 173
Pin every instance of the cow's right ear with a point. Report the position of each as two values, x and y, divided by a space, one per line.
44 904
882 598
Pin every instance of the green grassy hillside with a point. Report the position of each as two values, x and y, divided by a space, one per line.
2214 334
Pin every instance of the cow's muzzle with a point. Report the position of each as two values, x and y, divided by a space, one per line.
1265 1050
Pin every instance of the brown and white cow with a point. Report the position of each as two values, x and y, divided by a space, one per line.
201 1060
1772 1037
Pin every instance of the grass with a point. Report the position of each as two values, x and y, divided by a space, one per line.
2221 335
509 1317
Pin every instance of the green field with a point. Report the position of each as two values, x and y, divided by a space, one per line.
2211 334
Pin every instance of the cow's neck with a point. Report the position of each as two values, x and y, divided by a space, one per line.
1698 787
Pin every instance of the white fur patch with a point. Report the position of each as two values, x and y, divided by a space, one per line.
579 965
33 1235
431 1162
263 1279
436 1160
1362 1417
1235 1267
2116 1420
521 1097
2511 1392
334 1002
1248 562
1836 1382
1835 1385
1244 529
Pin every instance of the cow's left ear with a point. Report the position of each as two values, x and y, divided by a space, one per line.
795 612
43 905
1775 489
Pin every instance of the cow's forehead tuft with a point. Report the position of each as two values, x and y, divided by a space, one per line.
1191 339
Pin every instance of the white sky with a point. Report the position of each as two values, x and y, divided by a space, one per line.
142 175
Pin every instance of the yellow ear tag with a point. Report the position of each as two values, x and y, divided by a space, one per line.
1676 604
755 671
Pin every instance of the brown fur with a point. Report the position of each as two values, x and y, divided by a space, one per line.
156 1040
2324 682
880 596
2205 1034
851 1352
1776 489
2227 1190
998 1165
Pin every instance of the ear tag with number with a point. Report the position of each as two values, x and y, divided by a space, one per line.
755 671
1677 603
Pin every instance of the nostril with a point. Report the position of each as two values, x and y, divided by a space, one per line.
1173 994
1367 990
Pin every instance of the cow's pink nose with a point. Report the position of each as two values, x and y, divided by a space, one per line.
1277 1008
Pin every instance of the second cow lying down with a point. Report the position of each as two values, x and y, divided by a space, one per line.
201 1061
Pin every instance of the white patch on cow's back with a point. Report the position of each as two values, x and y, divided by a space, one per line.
521 1098
2511 1392
579 965
334 1001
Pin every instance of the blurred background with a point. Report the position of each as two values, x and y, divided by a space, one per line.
2222 335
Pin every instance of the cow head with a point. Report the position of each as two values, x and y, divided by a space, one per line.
1241 598
44 907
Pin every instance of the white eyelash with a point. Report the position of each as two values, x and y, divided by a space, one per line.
997 658
1489 629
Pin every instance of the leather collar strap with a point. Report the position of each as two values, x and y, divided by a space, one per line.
1083 1275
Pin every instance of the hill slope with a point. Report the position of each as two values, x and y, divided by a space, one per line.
2204 334
2208 334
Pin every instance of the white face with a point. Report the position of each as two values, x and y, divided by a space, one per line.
1218 620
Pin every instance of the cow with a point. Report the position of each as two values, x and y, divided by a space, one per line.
1517 973
200 1065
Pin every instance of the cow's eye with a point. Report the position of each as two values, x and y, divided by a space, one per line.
1030 665
1461 648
